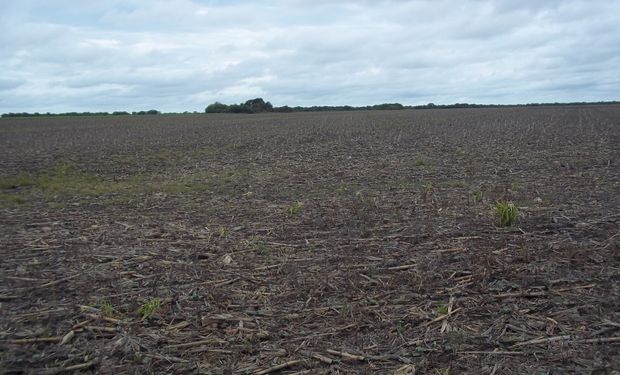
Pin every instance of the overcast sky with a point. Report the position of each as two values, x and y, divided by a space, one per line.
61 55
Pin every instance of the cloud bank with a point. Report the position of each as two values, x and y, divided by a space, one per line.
182 55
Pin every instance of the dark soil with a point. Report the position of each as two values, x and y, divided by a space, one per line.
318 243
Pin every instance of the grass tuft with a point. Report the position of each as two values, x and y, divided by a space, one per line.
478 196
10 200
21 180
222 231
442 309
106 309
149 308
259 246
506 213
295 208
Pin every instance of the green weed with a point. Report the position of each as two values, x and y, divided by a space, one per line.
428 187
295 208
8 200
442 310
21 180
149 308
506 213
259 246
427 191
106 309
401 327
477 196
222 232
342 190
67 180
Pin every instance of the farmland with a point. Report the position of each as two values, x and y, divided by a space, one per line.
341 242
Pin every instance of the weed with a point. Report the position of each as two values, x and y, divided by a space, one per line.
10 199
506 213
420 163
106 309
58 205
149 308
477 196
259 246
407 183
442 310
21 180
222 232
342 190
401 327
428 191
66 180
166 156
295 208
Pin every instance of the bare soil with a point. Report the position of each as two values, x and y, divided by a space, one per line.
318 243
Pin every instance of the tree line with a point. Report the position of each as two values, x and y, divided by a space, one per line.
259 105
69 114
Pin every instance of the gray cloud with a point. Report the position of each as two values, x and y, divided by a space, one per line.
181 55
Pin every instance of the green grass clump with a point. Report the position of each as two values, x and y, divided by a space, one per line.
222 231
21 180
295 208
11 192
506 213
9 200
67 180
259 246
149 308
64 182
442 309
107 309
477 196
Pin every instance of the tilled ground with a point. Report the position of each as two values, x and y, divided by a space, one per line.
337 243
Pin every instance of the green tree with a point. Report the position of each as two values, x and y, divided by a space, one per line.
216 107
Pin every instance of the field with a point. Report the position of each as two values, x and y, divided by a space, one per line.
340 243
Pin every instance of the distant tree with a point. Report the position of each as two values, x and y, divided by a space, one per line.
386 106
283 109
239 108
149 112
216 107
258 105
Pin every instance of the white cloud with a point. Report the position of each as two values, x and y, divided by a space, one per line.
182 55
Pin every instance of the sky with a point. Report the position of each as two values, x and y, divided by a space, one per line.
87 55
